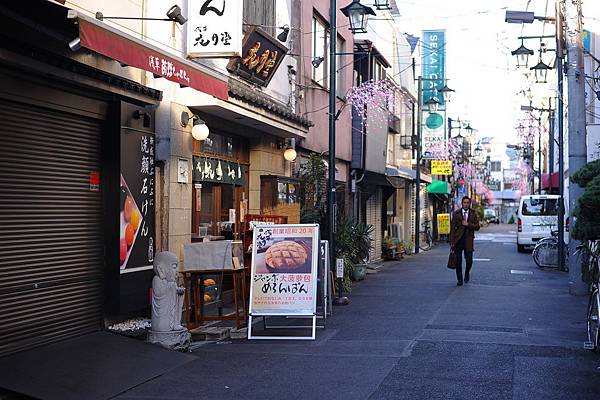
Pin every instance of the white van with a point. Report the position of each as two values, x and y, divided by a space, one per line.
537 217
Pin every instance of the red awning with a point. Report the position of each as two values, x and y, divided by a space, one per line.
547 180
133 52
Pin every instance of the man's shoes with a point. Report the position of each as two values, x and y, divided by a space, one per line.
459 283
466 278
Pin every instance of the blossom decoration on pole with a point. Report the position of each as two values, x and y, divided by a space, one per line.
373 95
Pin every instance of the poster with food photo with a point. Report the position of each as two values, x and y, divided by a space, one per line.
136 240
284 269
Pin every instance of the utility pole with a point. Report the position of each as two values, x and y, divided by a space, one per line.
561 149
540 154
551 141
577 129
418 172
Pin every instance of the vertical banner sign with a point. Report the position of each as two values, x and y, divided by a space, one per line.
136 246
284 270
433 71
214 28
443 221
433 60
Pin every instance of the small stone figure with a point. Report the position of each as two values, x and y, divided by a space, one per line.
167 304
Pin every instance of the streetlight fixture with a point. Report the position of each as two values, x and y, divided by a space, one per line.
522 53
432 104
383 5
358 14
541 71
283 35
446 93
317 61
469 129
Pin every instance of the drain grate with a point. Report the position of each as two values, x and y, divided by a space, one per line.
478 328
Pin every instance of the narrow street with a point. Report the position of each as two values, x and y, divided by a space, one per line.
513 332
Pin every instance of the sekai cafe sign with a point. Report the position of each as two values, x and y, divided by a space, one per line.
261 56
218 171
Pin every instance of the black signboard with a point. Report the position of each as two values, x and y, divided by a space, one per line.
261 56
218 171
137 242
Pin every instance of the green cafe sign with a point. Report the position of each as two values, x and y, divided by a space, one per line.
218 171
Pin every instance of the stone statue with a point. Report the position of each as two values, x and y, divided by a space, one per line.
167 304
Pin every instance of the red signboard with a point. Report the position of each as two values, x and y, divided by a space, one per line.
131 53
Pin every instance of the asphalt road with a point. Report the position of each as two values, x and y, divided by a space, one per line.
513 332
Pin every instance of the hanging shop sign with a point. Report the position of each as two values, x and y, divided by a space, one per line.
214 29
433 136
261 56
218 171
136 241
284 269
441 167
443 221
434 64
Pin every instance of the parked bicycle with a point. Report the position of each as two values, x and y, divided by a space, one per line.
591 274
545 252
426 240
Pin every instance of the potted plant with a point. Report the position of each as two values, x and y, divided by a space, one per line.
409 247
353 244
359 272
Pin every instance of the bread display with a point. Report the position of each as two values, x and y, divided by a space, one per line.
286 255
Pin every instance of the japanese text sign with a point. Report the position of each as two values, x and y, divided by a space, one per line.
443 221
441 167
218 171
136 242
284 270
261 56
214 28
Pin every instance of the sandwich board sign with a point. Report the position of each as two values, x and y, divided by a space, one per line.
284 272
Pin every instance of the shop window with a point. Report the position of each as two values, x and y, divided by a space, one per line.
202 203
218 144
277 191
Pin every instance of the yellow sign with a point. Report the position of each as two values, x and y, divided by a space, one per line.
443 221
441 167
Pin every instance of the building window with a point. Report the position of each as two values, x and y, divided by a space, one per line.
340 89
496 166
391 146
260 13
379 72
320 41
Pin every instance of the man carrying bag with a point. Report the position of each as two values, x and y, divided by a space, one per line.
462 235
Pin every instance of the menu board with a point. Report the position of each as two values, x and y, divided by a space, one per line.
137 187
284 270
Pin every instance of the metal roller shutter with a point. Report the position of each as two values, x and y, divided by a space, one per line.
374 218
51 243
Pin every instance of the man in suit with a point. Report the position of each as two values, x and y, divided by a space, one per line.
462 235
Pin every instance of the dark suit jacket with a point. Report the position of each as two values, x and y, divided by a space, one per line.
457 230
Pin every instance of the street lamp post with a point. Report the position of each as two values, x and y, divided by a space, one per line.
357 13
432 106
525 17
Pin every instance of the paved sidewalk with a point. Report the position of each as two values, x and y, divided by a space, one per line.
410 333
